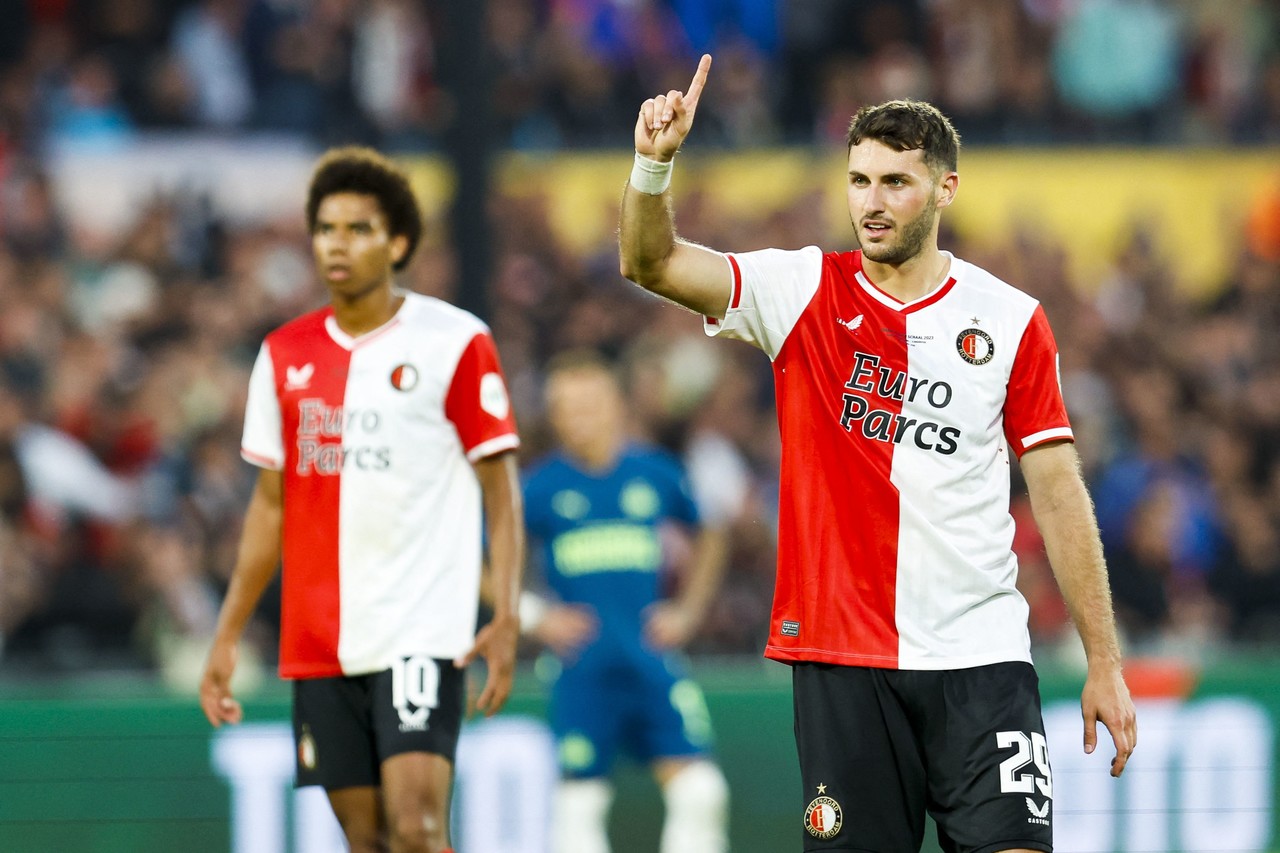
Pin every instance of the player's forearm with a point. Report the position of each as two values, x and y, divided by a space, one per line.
505 558
256 563
505 531
646 237
1066 520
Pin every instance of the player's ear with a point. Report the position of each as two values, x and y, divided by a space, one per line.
399 245
948 185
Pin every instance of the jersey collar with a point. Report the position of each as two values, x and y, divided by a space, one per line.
347 342
895 304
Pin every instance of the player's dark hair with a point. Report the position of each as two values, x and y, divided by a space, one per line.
581 359
354 169
909 126
588 360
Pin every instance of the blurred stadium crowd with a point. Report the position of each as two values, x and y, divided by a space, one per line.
124 361
570 72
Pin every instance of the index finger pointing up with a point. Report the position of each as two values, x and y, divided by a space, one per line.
699 80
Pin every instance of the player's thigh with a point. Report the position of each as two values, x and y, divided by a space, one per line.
416 707
415 793
359 813
669 718
586 717
860 762
990 785
336 745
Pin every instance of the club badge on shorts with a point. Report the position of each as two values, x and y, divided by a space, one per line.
307 749
823 817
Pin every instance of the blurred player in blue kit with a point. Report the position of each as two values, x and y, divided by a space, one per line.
599 510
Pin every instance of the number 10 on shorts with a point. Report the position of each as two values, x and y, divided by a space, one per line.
1033 749
415 681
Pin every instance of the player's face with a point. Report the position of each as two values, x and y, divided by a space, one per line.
894 201
584 408
354 251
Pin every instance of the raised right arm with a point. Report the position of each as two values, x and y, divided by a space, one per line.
650 252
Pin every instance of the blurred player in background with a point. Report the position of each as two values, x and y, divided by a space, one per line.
901 371
382 427
599 508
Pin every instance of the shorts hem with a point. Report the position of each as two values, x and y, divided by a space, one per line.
330 785
447 755
1014 844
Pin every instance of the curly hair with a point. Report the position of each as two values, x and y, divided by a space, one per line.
354 169
909 126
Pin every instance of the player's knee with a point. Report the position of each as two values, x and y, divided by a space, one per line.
580 817
697 804
416 832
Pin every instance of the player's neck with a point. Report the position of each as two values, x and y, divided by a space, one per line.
600 456
912 279
359 314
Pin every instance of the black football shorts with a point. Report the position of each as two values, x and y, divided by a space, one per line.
880 747
345 727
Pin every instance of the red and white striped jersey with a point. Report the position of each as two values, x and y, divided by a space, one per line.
375 437
894 541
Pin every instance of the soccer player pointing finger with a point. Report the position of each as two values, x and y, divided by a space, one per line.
905 376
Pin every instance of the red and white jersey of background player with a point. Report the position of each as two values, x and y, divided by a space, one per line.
894 541
382 510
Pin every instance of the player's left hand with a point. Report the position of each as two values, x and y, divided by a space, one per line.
1105 699
665 120
496 643
669 625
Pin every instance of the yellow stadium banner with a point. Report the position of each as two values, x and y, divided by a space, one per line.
1089 202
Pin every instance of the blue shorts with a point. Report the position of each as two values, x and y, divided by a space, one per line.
655 713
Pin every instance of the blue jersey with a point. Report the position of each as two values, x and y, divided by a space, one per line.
599 533
599 537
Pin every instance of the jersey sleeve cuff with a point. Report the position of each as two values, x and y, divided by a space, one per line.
1044 436
712 326
493 446
260 460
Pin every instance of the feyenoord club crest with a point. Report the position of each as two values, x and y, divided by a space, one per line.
307 749
823 817
975 346
404 377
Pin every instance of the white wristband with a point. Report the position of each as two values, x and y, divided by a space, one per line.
649 176
532 609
